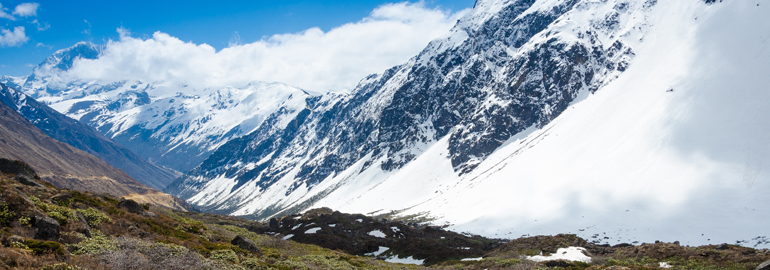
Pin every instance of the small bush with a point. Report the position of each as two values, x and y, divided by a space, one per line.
97 244
94 217
6 216
225 255
45 247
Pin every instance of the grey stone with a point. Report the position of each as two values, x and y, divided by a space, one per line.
84 228
26 180
47 228
764 266
131 206
246 244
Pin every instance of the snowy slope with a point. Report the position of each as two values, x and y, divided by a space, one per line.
171 125
504 67
674 149
658 132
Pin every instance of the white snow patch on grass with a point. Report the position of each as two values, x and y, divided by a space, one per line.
569 254
407 260
377 233
471 259
378 252
287 237
313 230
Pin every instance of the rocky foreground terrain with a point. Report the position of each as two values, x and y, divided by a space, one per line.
45 227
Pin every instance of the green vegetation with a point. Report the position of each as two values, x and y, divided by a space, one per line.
177 240
44 247
94 217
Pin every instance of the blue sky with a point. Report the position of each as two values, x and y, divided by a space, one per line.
61 24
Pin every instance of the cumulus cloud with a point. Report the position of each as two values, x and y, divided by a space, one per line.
40 26
26 9
4 14
312 59
13 38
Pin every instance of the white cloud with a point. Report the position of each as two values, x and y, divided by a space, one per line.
312 59
4 14
26 9
40 26
13 38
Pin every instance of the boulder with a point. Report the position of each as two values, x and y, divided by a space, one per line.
26 180
764 266
132 207
83 226
46 228
246 244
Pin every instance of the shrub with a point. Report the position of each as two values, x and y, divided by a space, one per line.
225 255
59 213
6 216
94 217
45 247
97 244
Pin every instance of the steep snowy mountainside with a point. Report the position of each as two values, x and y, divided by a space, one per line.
505 67
172 125
85 138
674 149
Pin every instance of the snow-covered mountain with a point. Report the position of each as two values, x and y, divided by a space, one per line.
619 120
169 124
505 67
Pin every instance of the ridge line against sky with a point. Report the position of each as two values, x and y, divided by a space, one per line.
318 46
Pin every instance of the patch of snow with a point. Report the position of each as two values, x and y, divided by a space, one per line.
378 252
288 236
664 265
407 260
377 233
332 225
296 226
395 229
313 230
359 220
569 254
472 259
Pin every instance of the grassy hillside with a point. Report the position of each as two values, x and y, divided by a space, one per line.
45 227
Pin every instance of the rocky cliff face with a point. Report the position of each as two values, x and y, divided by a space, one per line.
505 67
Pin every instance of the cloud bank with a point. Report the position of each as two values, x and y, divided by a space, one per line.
312 59
13 38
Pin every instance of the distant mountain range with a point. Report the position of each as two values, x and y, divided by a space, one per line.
57 162
85 138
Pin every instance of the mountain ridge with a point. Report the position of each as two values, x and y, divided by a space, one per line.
85 138
60 163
